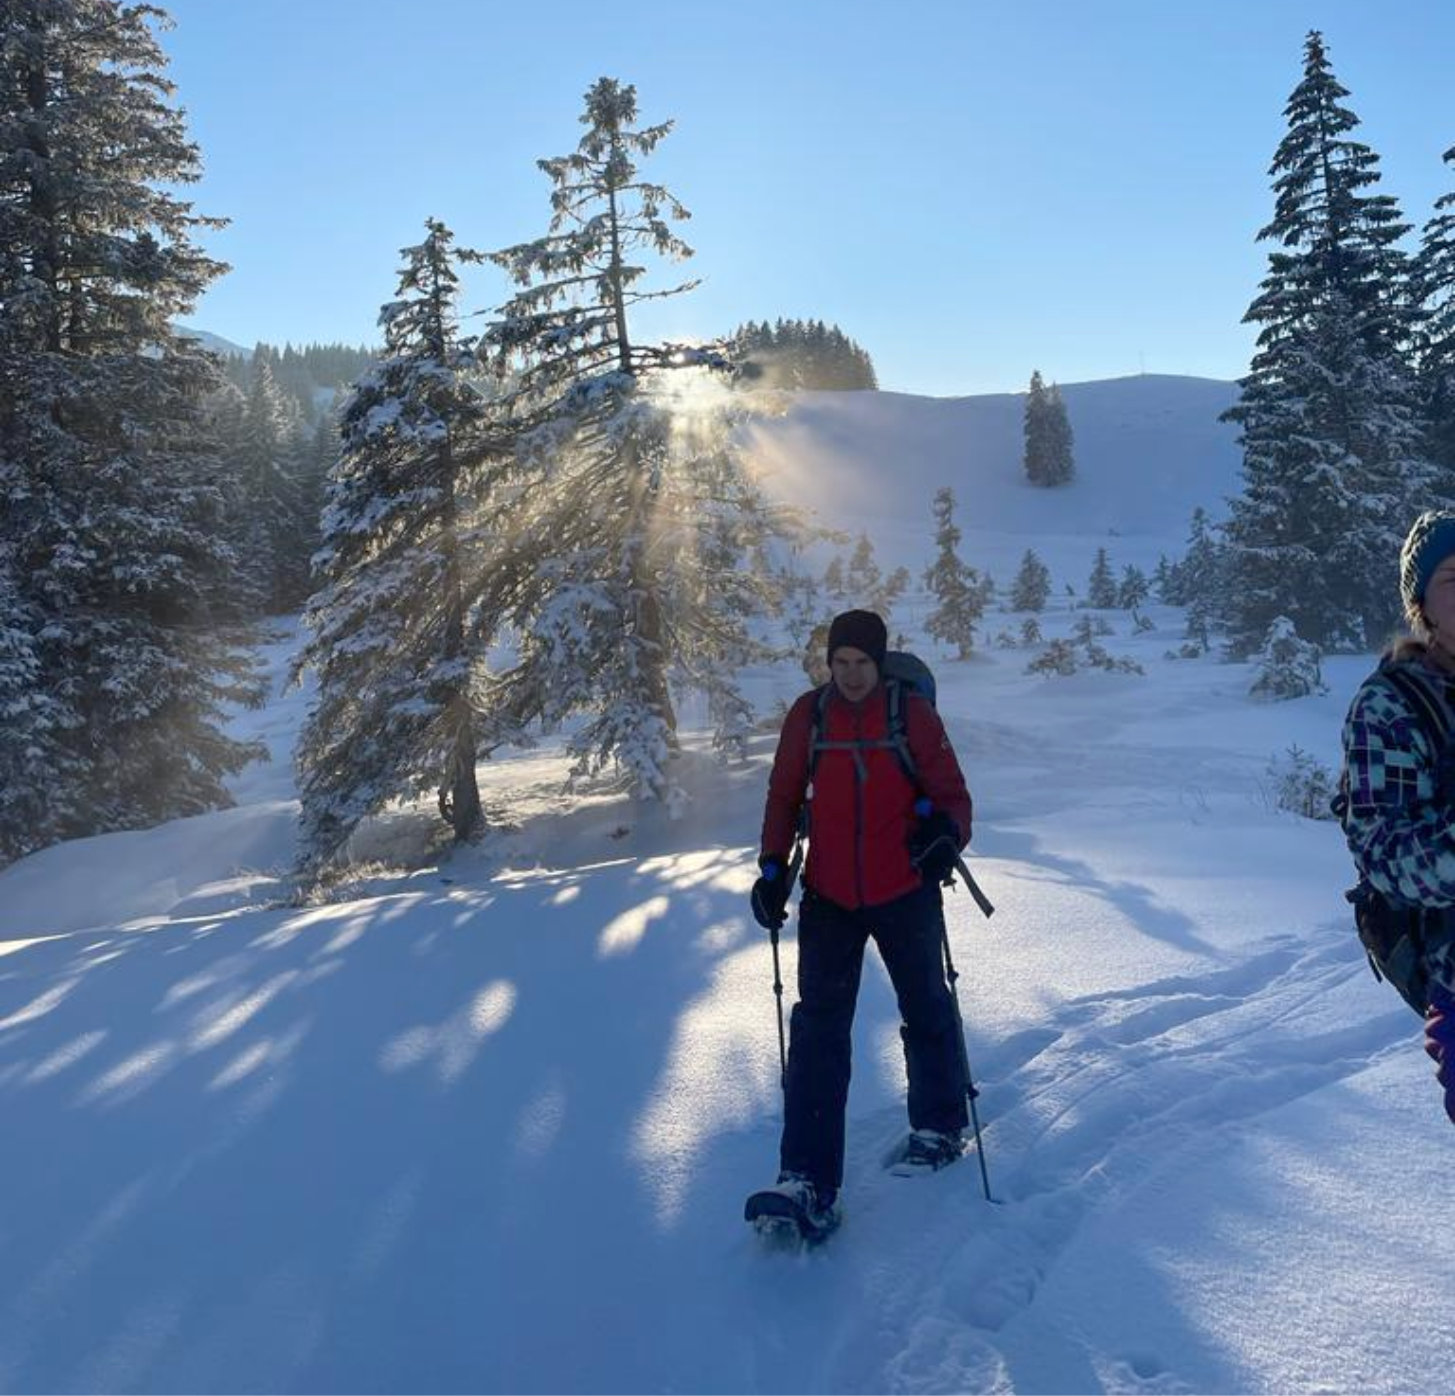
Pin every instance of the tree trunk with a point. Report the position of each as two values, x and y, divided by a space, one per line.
460 796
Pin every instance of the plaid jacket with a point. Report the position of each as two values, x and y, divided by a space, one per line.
1400 820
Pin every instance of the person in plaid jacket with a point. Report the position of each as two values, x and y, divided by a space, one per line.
1399 819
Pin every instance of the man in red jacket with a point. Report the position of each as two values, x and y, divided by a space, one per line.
874 868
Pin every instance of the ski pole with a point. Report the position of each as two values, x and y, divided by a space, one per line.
794 863
952 974
778 995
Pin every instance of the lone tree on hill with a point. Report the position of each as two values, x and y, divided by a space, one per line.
1049 457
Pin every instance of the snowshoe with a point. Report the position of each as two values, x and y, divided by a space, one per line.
927 1151
793 1209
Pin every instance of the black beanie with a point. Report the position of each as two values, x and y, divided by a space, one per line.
861 630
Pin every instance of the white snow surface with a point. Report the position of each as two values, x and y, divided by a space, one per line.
489 1125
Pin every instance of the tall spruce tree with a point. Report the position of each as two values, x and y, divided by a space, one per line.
637 550
956 587
1062 439
396 639
1435 291
1331 436
1049 457
115 668
862 577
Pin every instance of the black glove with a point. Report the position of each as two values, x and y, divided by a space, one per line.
934 847
770 894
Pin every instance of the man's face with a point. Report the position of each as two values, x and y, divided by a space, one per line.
855 674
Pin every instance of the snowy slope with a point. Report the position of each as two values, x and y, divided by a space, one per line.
1148 451
489 1126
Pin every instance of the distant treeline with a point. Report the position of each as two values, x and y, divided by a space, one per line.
801 354
310 374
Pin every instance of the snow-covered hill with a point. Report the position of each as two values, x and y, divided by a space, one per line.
1148 451
487 1126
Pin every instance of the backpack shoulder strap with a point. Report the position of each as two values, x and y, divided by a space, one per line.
1430 712
897 699
1429 708
815 731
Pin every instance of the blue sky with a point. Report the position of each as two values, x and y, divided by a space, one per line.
970 190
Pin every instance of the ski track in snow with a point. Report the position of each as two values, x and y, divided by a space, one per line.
1078 1113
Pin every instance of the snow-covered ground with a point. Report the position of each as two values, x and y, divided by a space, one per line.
489 1125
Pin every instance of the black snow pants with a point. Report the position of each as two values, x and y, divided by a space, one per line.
831 943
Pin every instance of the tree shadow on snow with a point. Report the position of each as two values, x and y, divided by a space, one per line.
446 1139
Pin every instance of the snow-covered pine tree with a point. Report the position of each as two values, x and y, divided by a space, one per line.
27 716
111 534
1048 456
638 550
833 578
862 577
959 600
1101 587
1036 432
1031 588
1062 457
396 626
1332 453
1197 573
1435 291
889 592
1288 667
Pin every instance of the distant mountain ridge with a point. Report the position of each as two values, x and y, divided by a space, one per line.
214 342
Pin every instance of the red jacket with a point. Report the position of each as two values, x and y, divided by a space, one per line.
858 852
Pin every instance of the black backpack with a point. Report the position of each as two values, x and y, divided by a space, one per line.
1393 933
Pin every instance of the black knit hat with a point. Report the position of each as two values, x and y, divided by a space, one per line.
861 630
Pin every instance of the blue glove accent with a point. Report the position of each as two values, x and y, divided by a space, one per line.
770 894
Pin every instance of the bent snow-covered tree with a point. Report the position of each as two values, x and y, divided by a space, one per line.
394 638
114 576
636 549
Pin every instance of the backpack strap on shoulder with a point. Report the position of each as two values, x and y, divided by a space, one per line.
897 698
1430 710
